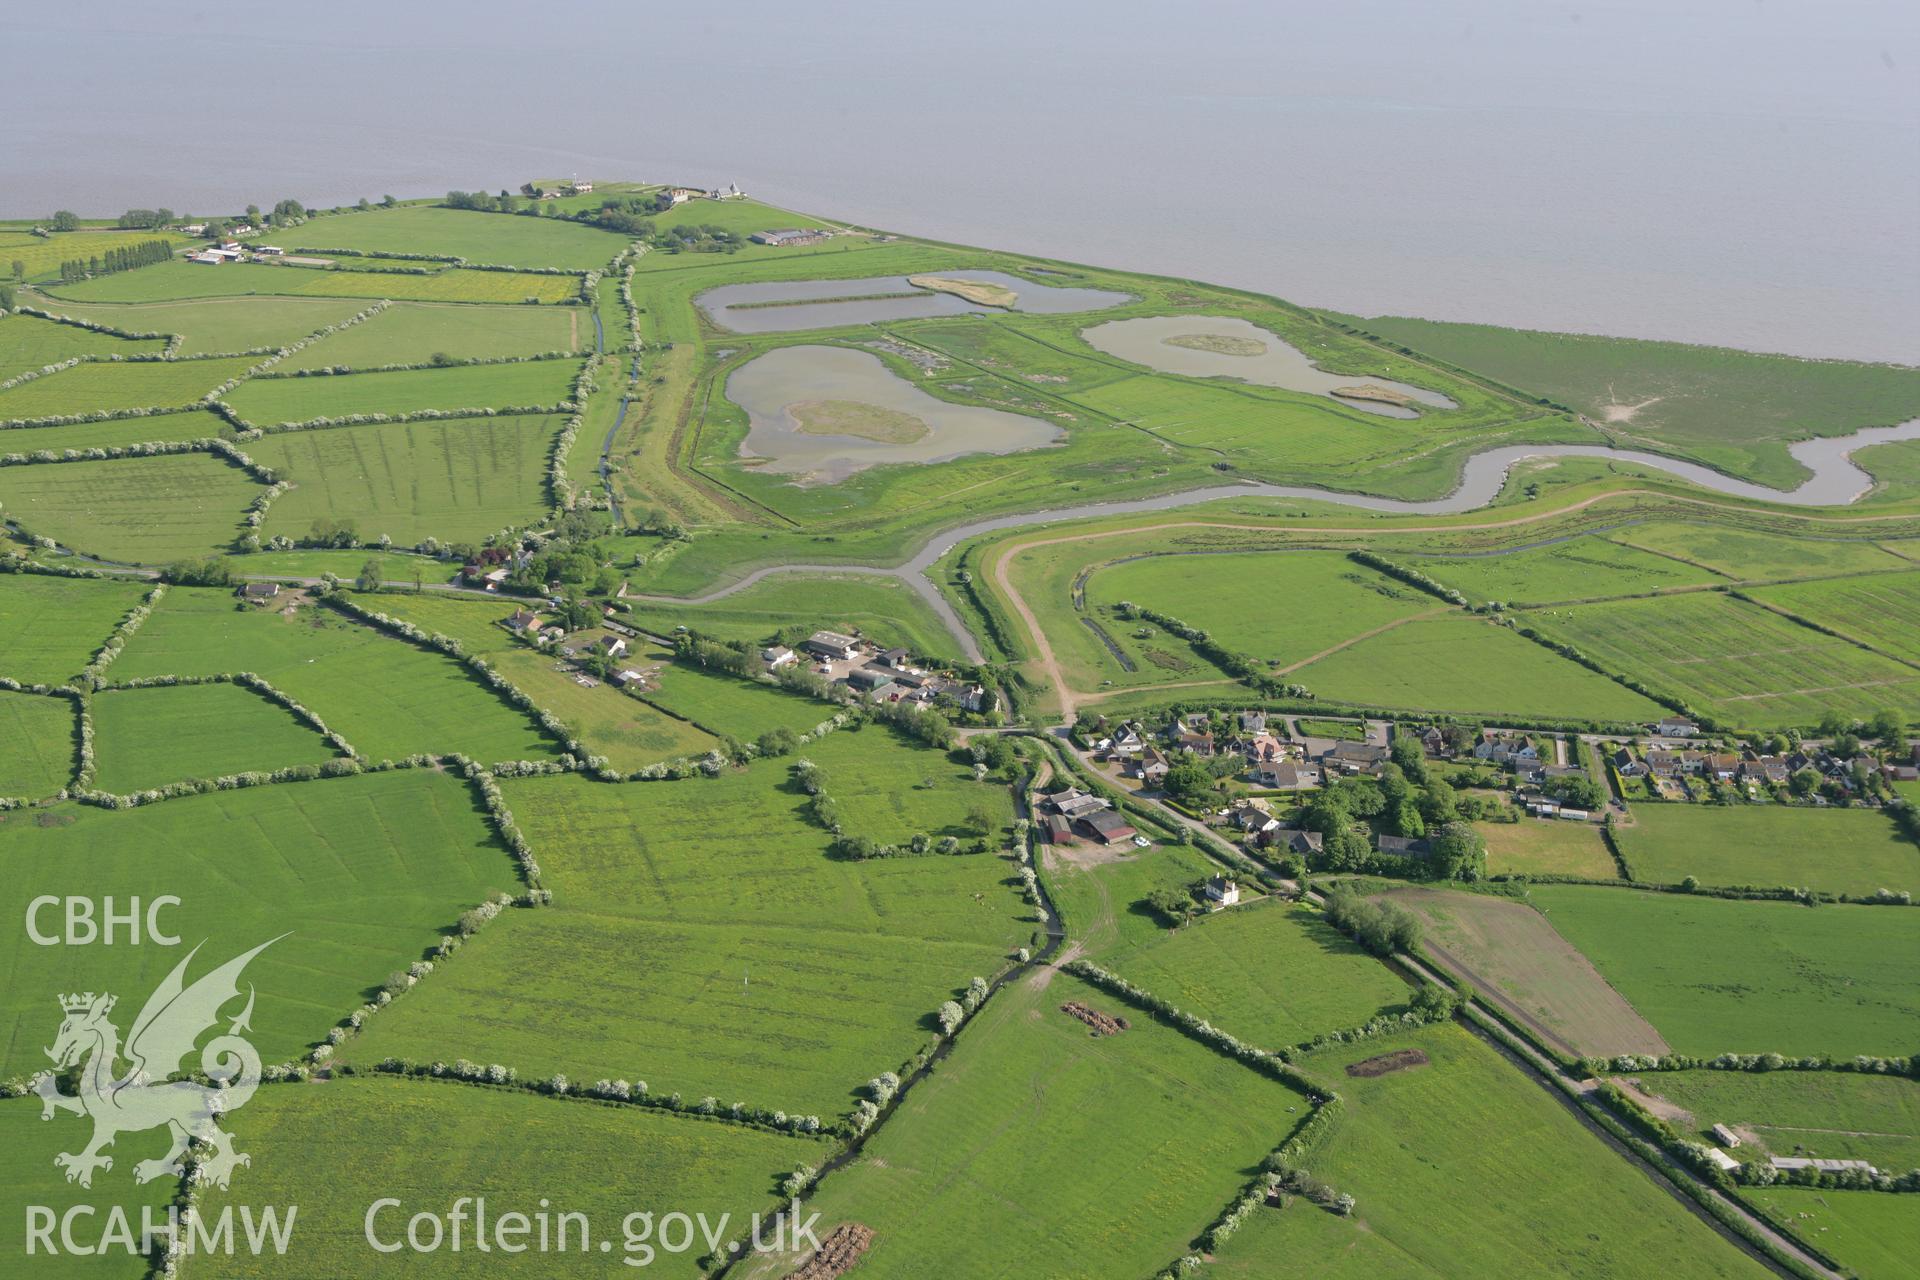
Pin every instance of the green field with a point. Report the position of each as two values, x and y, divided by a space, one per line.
1272 975
1882 610
179 281
727 704
28 1176
702 939
1737 662
491 239
1877 1235
190 424
1852 851
1464 665
1748 554
457 479
101 386
533 383
1719 976
39 737
149 737
1734 409
50 627
336 1149
883 609
1829 1115
1548 1198
1580 569
1533 847
42 255
1283 607
362 875
29 342
387 697
217 324
415 332
141 510
1037 1149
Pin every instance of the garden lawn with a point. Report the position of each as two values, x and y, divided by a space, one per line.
219 324
362 875
1734 661
1271 974
30 342
1875 1234
1579 569
50 627
491 239
1464 665
1539 847
386 696
527 384
415 332
1853 851
1828 1115
116 384
1038 1149
1282 607
703 940
28 1176
457 480
36 745
149 737
1528 1190
335 1150
141 510
1720 976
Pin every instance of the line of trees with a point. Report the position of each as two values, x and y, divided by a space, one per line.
125 258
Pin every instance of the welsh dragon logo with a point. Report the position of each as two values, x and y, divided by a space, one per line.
169 1023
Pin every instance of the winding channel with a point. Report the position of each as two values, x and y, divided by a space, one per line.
1836 481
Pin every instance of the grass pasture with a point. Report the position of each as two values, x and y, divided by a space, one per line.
1580 569
533 383
30 342
217 324
42 255
1512 953
1535 846
729 705
1882 610
1827 1115
1271 974
984 1170
1854 851
361 873
1750 555
105 385
456 479
491 239
1737 662
142 510
414 332
191 424
1549 1198
181 281
1720 976
28 1175
1875 1234
335 1150
50 628
884 609
702 939
387 697
38 737
150 737
1462 664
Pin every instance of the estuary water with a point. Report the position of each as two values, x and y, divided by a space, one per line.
1720 171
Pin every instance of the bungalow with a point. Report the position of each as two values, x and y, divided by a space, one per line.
1221 892
1628 766
777 656
269 251
1254 821
259 592
521 621
1677 727
1400 846
1356 757
1287 775
1663 764
1293 840
833 646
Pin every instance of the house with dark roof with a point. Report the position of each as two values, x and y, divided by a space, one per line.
259 592
1401 846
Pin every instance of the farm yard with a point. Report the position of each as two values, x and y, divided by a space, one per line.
817 908
1849 851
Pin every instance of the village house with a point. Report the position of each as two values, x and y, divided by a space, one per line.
1401 846
1307 844
1505 749
1628 765
777 656
1151 766
832 646
1221 892
522 620
259 592
1434 743
611 646
1287 775
1254 722
1355 757
1194 733
1676 727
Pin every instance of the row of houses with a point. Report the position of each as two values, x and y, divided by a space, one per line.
671 196
1273 763
1752 768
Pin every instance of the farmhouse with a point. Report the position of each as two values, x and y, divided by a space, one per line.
259 592
521 621
777 656
788 237
1221 892
832 646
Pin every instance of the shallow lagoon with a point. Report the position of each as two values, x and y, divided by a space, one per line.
1229 347
805 303
790 392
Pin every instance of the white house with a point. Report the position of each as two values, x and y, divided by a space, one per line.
1222 892
777 656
